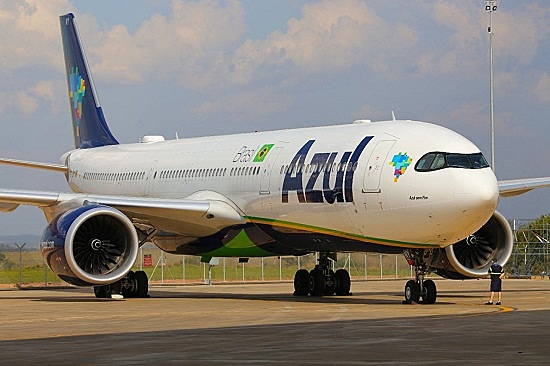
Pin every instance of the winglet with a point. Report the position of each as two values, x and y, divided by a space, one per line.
89 125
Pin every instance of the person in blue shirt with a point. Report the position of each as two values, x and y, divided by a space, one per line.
497 273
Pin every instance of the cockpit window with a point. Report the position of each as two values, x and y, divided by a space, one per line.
439 160
458 161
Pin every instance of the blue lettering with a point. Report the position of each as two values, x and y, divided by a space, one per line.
317 163
322 162
352 166
335 194
294 183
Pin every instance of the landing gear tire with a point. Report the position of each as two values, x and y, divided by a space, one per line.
301 283
330 285
412 292
429 292
316 282
128 285
343 282
142 284
102 292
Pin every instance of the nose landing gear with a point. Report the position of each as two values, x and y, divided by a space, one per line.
419 287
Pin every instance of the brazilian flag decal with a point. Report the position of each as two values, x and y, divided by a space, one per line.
262 153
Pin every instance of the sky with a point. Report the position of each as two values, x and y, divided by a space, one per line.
208 67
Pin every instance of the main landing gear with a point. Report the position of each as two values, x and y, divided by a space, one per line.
322 280
419 287
135 284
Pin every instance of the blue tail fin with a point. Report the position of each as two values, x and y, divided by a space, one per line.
89 126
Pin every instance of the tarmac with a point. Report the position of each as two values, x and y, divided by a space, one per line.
236 324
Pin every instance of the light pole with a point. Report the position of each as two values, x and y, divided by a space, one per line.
491 6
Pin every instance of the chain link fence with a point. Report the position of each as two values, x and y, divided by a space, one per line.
24 267
531 255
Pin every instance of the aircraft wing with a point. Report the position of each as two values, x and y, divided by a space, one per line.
192 217
509 188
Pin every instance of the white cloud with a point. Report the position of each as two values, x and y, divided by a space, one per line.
27 100
330 36
29 34
464 40
246 106
368 111
542 88
506 83
517 35
183 47
471 114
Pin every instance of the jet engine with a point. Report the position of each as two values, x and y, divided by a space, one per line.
90 245
472 257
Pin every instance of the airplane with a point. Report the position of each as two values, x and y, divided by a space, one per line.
395 186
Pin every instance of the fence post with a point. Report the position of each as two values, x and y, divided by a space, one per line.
396 266
20 262
262 269
183 268
280 269
45 275
366 273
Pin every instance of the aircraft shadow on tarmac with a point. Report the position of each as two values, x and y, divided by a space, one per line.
358 297
388 340
366 298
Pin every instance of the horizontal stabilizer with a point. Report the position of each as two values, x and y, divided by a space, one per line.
35 165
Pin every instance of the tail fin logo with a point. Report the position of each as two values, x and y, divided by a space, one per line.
77 89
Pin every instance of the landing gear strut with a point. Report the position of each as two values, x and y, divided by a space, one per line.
419 287
134 284
322 280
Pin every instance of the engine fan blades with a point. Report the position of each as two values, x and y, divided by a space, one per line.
474 251
98 244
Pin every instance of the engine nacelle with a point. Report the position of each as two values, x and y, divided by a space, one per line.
472 257
90 245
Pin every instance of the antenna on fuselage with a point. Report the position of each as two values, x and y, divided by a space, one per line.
393 116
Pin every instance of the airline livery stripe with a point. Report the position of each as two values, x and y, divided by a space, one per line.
342 234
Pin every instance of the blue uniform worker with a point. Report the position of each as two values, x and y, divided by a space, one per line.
497 273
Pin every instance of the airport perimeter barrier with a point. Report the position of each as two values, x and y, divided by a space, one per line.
23 266
26 268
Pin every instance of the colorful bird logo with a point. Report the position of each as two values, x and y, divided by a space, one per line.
77 89
400 162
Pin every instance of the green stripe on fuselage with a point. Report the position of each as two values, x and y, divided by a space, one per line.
240 246
341 234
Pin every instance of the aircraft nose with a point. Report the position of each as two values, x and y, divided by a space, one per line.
478 191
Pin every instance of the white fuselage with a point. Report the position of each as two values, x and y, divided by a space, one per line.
336 180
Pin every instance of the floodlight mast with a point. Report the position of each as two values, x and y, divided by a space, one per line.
491 6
